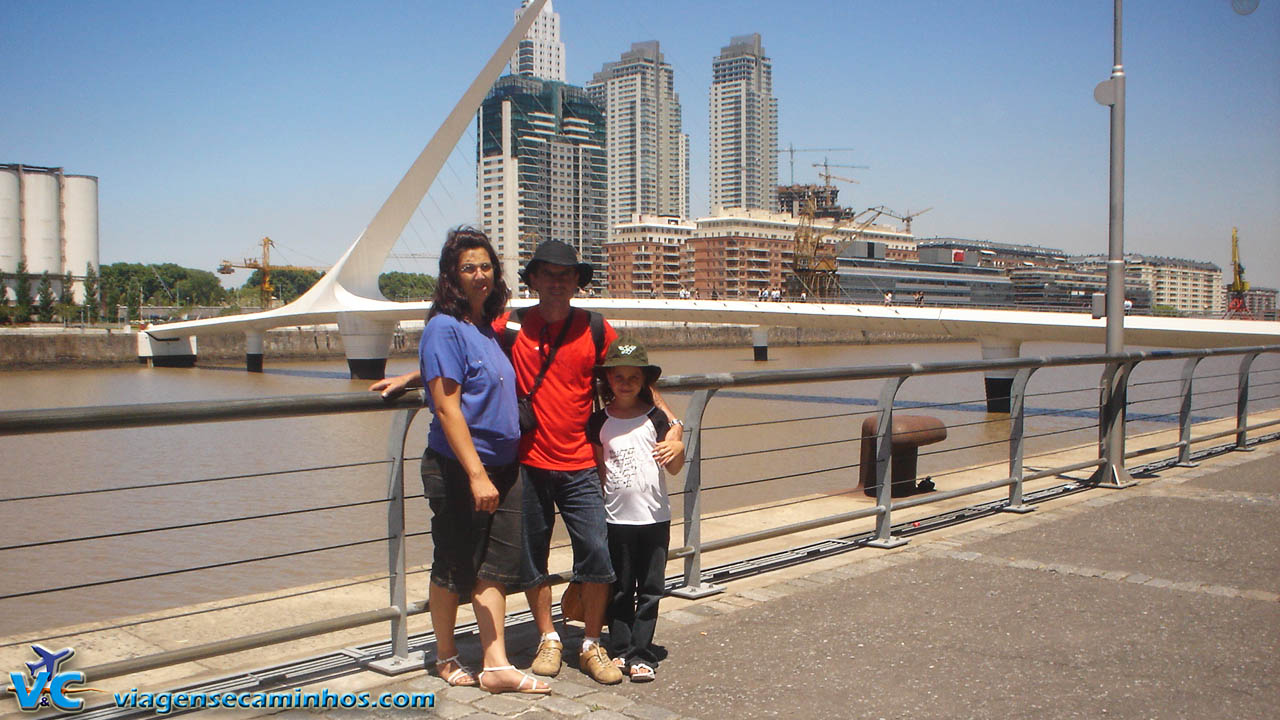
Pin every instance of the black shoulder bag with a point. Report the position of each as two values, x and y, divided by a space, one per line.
528 418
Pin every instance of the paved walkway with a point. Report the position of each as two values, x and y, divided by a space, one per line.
1156 601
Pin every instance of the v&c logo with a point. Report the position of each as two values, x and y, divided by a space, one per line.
44 685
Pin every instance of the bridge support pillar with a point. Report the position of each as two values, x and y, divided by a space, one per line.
999 383
760 342
157 352
253 351
367 343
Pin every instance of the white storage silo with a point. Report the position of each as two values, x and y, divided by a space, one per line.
10 226
41 226
79 227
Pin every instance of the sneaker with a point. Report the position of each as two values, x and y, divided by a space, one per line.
596 663
547 661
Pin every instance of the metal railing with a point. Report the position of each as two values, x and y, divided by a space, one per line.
1117 372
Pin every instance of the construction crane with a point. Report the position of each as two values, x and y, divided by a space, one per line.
1236 306
226 267
813 259
827 177
907 218
792 150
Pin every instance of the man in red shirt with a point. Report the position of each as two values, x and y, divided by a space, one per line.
559 466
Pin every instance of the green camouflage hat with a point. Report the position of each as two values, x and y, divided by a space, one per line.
625 352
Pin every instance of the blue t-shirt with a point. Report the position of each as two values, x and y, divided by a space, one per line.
471 357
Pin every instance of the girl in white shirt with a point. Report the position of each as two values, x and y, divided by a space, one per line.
625 436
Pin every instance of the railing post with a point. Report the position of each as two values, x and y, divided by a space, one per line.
401 660
693 586
1017 409
1242 403
1184 413
1111 427
884 449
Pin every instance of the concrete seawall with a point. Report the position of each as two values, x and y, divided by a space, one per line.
56 347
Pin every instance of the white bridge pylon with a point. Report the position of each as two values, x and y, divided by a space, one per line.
348 293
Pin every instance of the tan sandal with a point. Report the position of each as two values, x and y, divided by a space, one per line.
461 677
533 688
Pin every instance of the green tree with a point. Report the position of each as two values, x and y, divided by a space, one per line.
22 305
406 286
44 298
200 288
92 303
1165 310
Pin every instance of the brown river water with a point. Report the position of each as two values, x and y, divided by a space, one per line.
251 467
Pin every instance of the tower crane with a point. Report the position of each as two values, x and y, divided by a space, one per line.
826 171
226 267
792 150
907 218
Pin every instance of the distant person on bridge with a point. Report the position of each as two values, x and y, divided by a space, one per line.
555 349
470 472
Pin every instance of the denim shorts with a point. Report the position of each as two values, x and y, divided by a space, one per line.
578 496
470 544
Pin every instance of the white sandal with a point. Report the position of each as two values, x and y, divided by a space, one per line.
458 677
533 689
641 673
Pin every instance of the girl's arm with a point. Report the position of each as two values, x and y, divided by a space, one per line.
446 395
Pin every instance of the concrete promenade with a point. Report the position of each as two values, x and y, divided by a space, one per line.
1155 601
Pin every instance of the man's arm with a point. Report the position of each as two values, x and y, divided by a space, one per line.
672 443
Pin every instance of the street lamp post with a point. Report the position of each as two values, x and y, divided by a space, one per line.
1110 92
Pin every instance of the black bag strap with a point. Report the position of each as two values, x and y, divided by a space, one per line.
546 364
596 321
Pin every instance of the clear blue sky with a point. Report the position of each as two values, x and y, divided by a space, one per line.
211 124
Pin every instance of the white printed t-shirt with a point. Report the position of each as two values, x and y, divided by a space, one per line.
635 488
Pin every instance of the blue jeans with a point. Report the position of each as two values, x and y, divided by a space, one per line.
578 496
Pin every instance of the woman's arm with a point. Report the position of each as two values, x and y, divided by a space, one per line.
393 386
446 395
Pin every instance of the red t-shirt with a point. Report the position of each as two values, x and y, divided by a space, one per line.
563 402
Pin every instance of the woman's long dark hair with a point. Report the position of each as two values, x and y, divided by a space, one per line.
449 298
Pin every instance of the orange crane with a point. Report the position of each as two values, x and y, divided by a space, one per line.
1236 306
813 260
226 267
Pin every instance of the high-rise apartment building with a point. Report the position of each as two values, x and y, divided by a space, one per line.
540 171
647 150
540 54
743 128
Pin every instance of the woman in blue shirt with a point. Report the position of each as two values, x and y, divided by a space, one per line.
470 471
